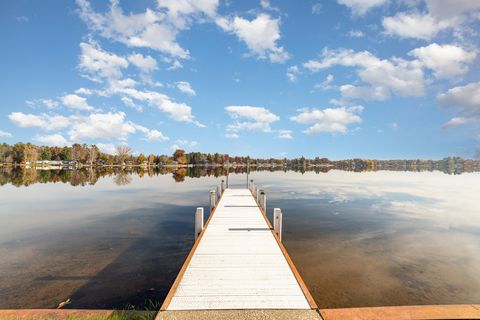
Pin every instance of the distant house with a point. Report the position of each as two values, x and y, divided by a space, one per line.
42 163
70 163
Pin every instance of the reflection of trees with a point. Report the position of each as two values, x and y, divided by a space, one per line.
122 178
89 176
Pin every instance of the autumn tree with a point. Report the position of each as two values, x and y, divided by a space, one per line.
123 153
179 156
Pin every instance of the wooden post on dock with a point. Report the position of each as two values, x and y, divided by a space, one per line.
213 200
219 192
198 222
223 185
277 222
263 200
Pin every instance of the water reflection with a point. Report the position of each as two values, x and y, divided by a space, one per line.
358 239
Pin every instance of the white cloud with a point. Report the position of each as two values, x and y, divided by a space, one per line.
465 100
393 125
317 8
175 65
333 120
183 12
383 76
110 125
22 19
107 148
266 5
156 135
49 103
44 121
84 91
177 111
5 134
52 140
439 16
414 25
446 61
370 93
129 103
102 126
232 136
452 9
96 63
360 7
186 88
284 134
258 114
74 101
260 35
248 118
183 143
292 73
150 29
326 84
356 34
146 64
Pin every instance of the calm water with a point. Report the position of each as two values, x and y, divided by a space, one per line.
358 239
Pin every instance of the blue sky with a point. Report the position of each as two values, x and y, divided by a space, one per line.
341 79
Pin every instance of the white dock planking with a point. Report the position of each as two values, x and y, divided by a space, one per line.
237 263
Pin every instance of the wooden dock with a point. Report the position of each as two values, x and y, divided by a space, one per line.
238 262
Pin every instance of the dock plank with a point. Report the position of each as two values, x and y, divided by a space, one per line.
237 263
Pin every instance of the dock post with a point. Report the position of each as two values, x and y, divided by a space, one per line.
263 200
223 185
277 222
198 222
257 194
218 194
213 201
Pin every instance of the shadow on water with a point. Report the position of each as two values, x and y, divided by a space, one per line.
146 269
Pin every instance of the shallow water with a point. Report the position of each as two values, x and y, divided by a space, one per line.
357 238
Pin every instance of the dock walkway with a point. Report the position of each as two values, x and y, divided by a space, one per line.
238 262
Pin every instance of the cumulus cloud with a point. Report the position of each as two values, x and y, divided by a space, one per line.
156 135
49 103
5 134
325 84
44 121
146 64
465 100
317 8
232 136
74 101
356 34
147 29
413 25
98 64
107 148
177 111
260 35
284 134
248 118
186 88
52 140
360 7
382 76
446 61
332 120
292 73
439 16
109 125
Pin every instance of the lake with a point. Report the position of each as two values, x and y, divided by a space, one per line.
112 239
